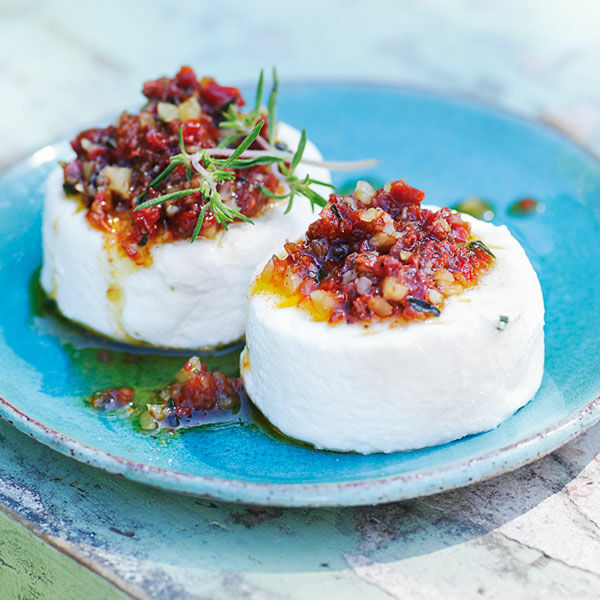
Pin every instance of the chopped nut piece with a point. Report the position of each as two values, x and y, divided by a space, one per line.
267 272
190 109
291 282
364 192
445 281
443 276
363 285
371 214
380 306
191 367
435 297
157 411
167 112
323 304
394 290
119 179
348 276
88 145
147 421
88 169
382 241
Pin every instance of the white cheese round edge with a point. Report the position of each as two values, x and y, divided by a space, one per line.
192 296
384 389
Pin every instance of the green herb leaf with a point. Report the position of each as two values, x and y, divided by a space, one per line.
313 196
244 145
69 188
336 212
269 194
181 142
158 179
223 175
244 163
424 306
167 197
259 92
271 105
185 157
299 152
290 202
502 323
329 185
199 222
479 244
234 137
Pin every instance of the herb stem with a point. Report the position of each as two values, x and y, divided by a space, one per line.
333 165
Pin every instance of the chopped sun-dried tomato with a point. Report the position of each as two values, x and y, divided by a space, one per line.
116 164
377 255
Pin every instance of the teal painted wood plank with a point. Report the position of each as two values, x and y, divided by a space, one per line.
490 536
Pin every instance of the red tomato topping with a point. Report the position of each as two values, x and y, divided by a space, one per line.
218 95
198 389
98 213
377 255
186 78
145 219
194 130
116 164
182 86
156 139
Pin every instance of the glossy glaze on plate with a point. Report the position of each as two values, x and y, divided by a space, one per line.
452 149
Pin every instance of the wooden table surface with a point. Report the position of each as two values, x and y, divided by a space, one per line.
70 531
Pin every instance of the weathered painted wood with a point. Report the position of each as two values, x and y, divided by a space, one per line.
532 533
31 569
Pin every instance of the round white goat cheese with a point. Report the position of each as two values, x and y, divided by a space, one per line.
193 295
382 389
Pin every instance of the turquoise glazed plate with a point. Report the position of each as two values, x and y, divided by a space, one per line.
453 149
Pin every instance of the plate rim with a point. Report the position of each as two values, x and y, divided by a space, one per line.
402 486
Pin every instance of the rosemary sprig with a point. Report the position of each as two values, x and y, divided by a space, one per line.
244 145
296 185
183 158
208 169
212 172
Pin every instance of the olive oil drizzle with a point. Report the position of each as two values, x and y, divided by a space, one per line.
96 363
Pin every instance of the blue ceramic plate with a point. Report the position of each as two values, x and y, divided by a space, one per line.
451 148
